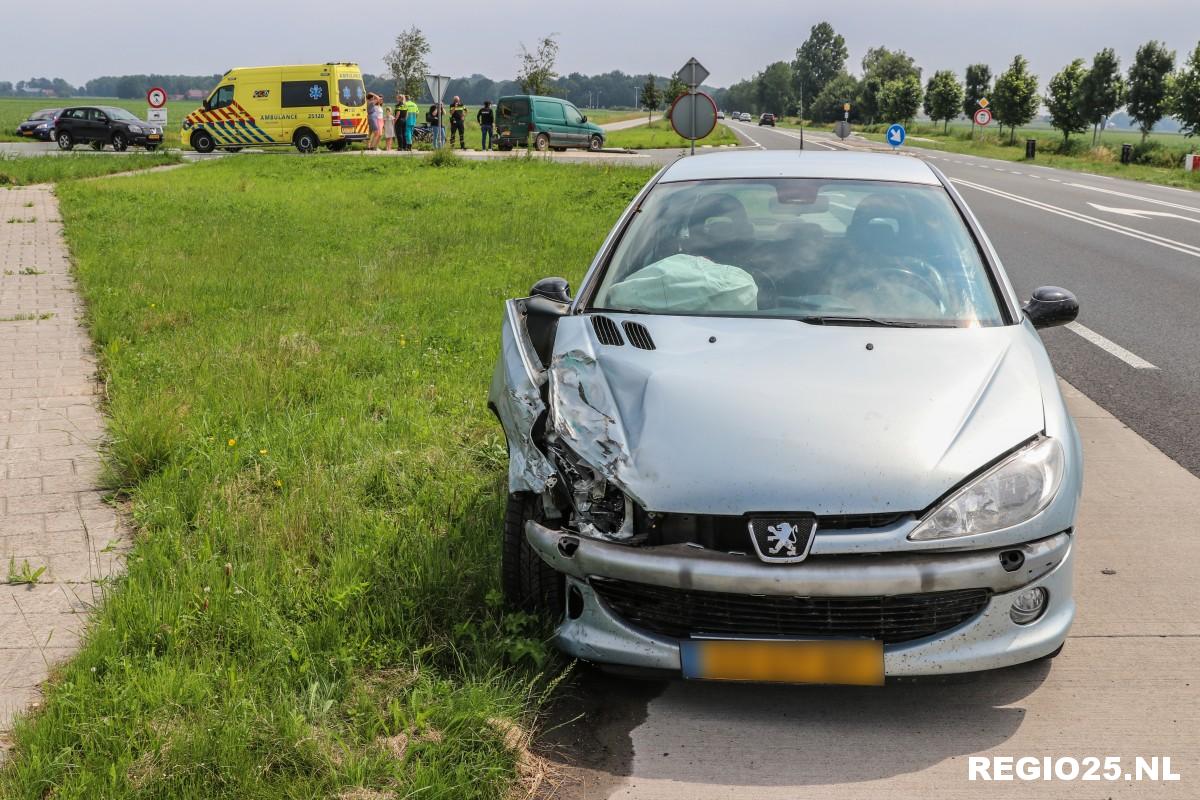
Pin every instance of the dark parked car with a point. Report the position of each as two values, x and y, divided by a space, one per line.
767 119
101 125
39 125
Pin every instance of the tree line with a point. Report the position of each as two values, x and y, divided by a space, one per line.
817 84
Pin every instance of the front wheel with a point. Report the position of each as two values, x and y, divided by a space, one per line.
65 140
541 142
203 142
119 142
595 144
306 141
529 583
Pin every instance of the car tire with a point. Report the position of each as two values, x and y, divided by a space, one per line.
541 142
119 142
529 583
306 141
203 142
65 140
595 144
96 145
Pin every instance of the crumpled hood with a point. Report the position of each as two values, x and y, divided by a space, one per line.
779 415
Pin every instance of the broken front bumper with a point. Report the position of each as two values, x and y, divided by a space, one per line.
593 631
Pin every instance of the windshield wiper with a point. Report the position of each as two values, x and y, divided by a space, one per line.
867 322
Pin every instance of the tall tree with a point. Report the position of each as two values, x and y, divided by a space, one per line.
881 66
827 106
900 99
1148 79
1103 88
1185 95
775 88
1062 100
651 96
977 86
407 62
536 73
819 60
943 97
675 88
1015 98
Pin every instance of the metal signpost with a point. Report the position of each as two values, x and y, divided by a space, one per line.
156 98
895 135
437 87
693 74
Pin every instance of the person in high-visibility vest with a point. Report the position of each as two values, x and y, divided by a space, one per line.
458 122
410 120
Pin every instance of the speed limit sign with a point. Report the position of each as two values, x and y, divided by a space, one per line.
983 117
156 97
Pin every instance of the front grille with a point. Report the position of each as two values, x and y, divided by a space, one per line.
680 613
729 534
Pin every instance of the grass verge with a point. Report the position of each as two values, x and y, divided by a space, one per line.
1163 154
296 354
658 134
23 170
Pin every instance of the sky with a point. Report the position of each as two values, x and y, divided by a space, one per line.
82 39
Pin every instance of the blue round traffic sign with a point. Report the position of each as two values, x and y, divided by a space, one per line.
895 135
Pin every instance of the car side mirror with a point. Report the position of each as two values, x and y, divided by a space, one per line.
556 289
584 118
1050 306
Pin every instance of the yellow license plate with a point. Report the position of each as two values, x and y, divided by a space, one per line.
853 662
154 136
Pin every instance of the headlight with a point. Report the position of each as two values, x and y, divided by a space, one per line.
135 129
43 126
1013 491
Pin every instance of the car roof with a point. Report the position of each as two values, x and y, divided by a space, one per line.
801 164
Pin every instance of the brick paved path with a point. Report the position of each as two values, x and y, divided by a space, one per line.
51 513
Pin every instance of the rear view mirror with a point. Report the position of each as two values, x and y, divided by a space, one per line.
1050 306
557 289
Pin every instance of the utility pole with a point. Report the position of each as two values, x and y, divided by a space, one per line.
636 104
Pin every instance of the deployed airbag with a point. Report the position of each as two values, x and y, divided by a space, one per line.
685 283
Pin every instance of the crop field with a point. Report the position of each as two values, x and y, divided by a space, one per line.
296 354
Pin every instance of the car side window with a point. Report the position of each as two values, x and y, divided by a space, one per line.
77 113
573 116
97 115
221 98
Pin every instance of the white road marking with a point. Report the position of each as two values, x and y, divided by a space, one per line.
752 139
1110 347
1134 233
1144 199
1141 213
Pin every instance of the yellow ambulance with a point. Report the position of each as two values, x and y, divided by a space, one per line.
302 106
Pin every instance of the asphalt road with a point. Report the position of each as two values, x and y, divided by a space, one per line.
1130 252
1124 685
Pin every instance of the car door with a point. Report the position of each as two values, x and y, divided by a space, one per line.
98 125
578 133
551 119
74 122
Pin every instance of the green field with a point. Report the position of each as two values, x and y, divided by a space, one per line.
1161 157
14 111
21 170
296 377
659 134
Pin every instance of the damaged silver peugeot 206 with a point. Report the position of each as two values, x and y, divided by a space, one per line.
795 426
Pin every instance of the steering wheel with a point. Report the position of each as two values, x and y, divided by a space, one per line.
915 281
768 291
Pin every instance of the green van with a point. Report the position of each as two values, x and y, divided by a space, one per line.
549 122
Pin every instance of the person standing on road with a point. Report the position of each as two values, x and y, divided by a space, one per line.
374 120
389 128
401 124
410 120
458 123
433 118
486 117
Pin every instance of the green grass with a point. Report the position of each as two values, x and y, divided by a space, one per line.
1164 152
21 170
296 354
14 111
659 134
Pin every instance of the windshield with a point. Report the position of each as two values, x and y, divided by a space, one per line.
827 251
45 113
119 113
